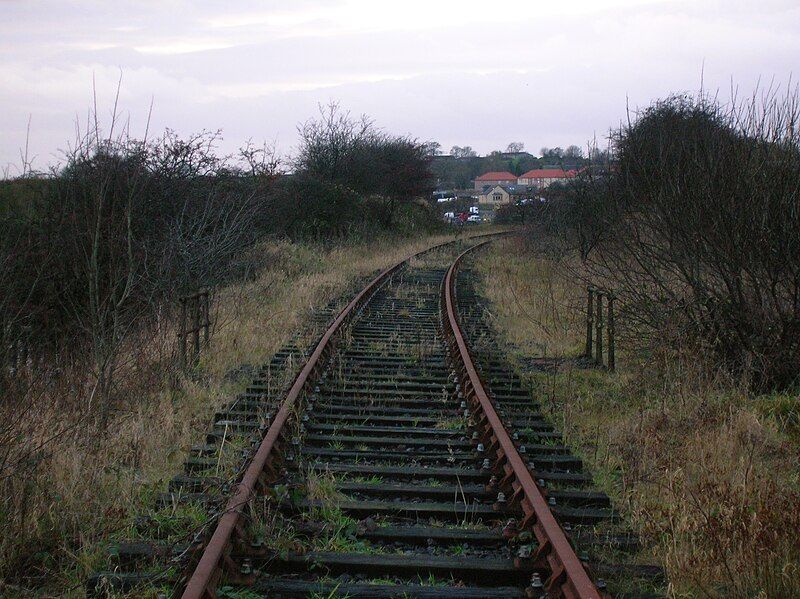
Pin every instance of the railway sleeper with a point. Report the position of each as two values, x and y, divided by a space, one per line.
415 566
293 588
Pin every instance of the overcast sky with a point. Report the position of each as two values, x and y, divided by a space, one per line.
456 71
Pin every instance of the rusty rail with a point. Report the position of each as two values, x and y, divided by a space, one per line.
205 576
216 554
568 576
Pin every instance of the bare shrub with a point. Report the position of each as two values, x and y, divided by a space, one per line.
705 471
351 157
697 228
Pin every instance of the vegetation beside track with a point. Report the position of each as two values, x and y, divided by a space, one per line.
705 469
88 484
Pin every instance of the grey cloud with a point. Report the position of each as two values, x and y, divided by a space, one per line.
547 79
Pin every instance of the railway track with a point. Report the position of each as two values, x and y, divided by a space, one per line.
399 462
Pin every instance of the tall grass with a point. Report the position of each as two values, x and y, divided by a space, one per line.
79 483
705 470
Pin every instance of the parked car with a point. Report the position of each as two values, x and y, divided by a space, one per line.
475 218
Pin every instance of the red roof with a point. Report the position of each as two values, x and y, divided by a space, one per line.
497 176
548 173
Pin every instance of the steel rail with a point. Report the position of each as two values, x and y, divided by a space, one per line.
568 577
201 584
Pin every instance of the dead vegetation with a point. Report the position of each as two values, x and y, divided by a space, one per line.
67 484
694 226
705 470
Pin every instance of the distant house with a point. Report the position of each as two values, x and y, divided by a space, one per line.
487 180
543 177
494 196
500 195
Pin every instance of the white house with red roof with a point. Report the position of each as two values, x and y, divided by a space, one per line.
543 177
493 179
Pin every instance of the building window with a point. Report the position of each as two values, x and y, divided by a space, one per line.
497 197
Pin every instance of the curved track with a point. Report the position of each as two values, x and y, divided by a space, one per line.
397 465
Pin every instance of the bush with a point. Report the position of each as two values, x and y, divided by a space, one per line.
697 229
343 157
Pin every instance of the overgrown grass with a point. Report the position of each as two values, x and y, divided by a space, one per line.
538 310
707 473
87 484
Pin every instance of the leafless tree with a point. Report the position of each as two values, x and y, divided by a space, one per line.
463 152
261 162
432 148
353 155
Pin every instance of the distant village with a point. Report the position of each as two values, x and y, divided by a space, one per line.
473 188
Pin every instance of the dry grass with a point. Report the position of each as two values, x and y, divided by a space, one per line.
540 309
86 484
708 474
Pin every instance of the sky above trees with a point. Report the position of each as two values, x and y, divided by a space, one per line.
458 72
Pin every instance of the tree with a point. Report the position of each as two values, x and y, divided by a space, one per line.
573 152
354 155
432 148
704 232
465 152
327 144
599 156
402 173
514 147
496 161
262 162
556 152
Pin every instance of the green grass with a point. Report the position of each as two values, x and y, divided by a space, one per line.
366 480
169 524
227 592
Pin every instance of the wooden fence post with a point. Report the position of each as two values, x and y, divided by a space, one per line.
195 319
599 332
611 332
206 317
196 326
589 322
182 333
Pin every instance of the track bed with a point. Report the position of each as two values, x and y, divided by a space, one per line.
380 475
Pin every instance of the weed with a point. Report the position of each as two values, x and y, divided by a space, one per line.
368 480
226 592
451 424
333 594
